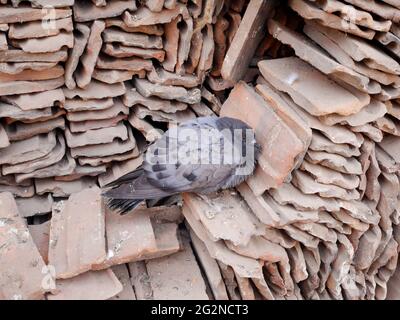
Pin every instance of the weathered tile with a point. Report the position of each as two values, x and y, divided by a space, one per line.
298 79
81 37
177 276
40 234
272 172
40 29
87 11
89 57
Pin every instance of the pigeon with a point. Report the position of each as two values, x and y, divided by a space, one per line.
203 155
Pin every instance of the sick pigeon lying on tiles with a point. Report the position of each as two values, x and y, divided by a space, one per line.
203 155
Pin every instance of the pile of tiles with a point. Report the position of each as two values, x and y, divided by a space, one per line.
318 80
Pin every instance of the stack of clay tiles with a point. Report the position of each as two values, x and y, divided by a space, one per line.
320 217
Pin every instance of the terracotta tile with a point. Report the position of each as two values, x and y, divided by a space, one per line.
132 97
4 139
122 274
47 44
224 217
134 64
106 150
17 191
156 30
29 149
24 277
37 29
15 55
40 234
308 185
96 161
211 268
150 133
70 253
24 14
140 280
115 76
161 116
44 3
177 276
185 38
89 57
21 87
36 205
121 51
160 76
96 136
143 16
296 78
82 126
96 90
76 104
271 157
21 131
130 39
148 89
118 170
38 100
64 167
86 11
92 285
357 16
220 34
52 151
308 51
81 37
